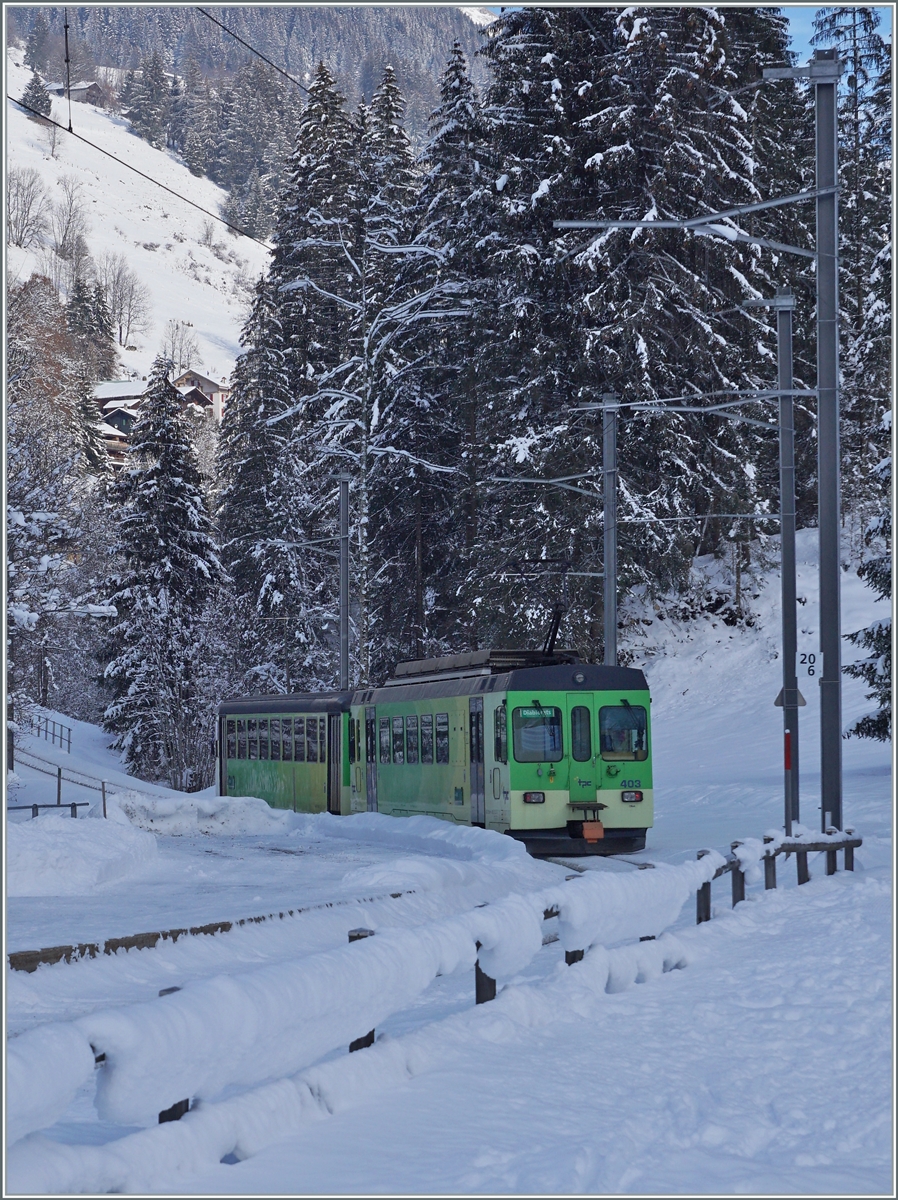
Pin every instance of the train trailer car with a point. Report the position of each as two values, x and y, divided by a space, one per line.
552 751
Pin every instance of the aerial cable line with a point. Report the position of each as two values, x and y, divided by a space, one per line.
253 50
143 175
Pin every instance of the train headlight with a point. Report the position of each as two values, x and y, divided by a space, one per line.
631 797
535 797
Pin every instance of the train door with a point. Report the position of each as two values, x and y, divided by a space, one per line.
475 743
584 747
334 762
371 758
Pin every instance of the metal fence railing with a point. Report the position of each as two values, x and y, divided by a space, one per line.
51 731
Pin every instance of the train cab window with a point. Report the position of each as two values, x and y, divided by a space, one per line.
385 739
623 733
427 738
411 739
398 740
299 739
537 734
581 734
500 734
232 739
241 739
275 733
252 732
442 738
287 735
263 738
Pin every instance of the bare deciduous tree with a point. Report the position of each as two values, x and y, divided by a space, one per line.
27 207
127 298
179 344
68 219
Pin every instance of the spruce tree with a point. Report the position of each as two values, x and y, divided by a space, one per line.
864 219
36 96
876 668
262 516
171 571
149 106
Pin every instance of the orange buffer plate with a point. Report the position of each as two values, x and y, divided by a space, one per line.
593 830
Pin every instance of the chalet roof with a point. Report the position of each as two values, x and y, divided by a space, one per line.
119 389
196 379
193 395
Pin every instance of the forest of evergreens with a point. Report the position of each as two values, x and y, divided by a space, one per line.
425 328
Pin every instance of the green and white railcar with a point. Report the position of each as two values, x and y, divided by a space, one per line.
547 749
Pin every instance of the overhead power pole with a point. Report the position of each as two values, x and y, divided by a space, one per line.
609 488
344 582
823 71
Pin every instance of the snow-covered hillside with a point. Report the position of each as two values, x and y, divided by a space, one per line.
161 236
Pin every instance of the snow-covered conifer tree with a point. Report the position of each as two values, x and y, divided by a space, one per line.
35 96
161 711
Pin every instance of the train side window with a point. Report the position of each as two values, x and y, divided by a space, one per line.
311 739
411 739
427 738
358 740
581 735
287 734
322 739
263 737
275 727
500 734
351 740
370 736
232 739
623 733
252 732
385 739
299 739
398 739
442 738
241 739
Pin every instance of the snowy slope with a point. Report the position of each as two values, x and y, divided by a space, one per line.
158 233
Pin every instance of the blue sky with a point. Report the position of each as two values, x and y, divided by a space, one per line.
801 20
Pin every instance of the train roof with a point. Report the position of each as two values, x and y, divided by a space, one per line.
474 676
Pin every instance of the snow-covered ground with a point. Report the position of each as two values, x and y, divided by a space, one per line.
762 1066
159 234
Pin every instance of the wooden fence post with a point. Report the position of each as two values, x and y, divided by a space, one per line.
849 853
703 897
573 956
59 785
801 859
769 867
357 935
103 790
738 875
484 986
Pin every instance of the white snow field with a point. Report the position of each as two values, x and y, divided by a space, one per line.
159 235
749 1055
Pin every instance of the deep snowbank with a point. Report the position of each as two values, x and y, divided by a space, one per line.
183 813
260 1025
244 1125
56 856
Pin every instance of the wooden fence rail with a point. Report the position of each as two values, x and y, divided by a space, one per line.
848 843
